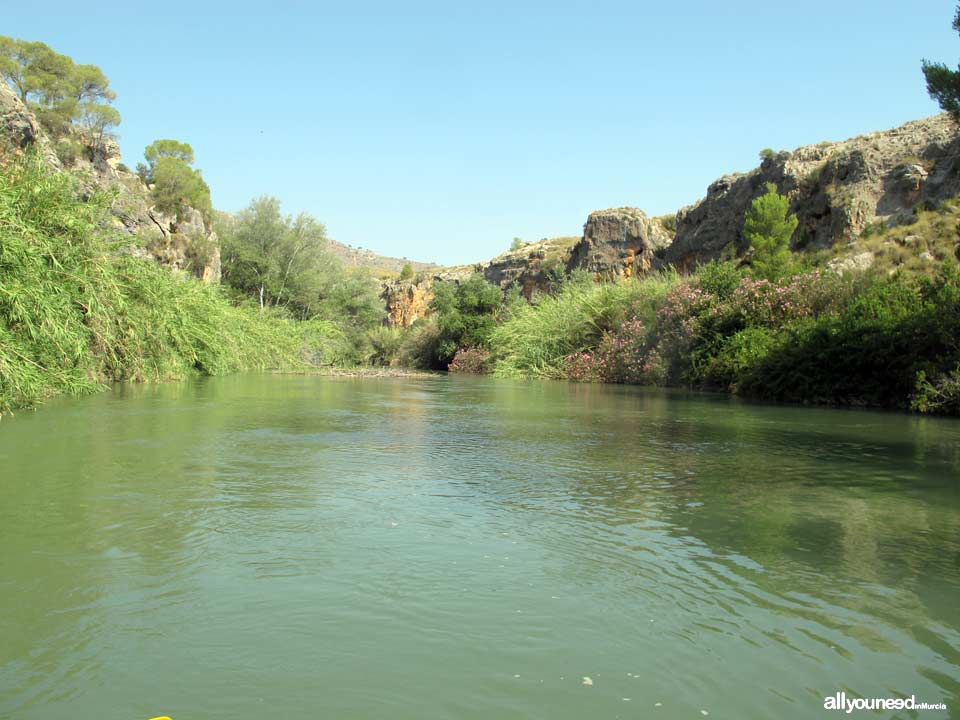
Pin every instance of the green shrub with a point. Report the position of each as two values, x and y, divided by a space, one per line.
466 314
536 339
470 361
75 310
938 393
68 150
873 351
718 278
384 345
736 357
419 345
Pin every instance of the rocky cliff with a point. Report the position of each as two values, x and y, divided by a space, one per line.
407 301
620 242
837 189
183 241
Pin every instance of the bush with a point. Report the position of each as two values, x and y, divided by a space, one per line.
68 151
536 340
738 355
473 361
419 345
384 345
879 350
466 314
75 311
939 393
718 278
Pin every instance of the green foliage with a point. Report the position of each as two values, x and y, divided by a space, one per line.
718 278
98 118
878 349
163 149
466 314
939 393
276 258
68 151
736 355
74 311
168 148
418 346
176 185
352 300
943 84
816 337
516 244
59 91
767 154
536 339
384 344
406 273
281 261
768 228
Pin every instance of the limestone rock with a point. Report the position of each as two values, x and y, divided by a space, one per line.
836 189
406 301
852 263
19 127
619 242
183 242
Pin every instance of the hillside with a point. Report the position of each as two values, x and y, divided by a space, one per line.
885 197
380 265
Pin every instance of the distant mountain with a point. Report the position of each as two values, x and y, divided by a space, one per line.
378 264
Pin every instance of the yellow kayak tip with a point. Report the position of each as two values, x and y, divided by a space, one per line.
164 717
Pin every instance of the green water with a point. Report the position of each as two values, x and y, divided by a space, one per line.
294 547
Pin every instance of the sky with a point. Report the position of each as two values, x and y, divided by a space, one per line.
440 131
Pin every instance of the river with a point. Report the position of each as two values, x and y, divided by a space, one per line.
262 546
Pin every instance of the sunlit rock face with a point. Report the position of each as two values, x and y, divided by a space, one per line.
619 242
406 301
184 241
837 189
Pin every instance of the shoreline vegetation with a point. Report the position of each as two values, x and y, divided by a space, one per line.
78 310
83 303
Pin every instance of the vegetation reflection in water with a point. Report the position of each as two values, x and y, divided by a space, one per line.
258 546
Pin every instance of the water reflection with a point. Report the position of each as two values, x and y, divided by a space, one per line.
357 546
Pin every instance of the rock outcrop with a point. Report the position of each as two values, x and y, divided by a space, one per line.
406 301
19 128
619 242
836 189
183 241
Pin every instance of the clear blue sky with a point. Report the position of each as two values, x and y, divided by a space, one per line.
439 131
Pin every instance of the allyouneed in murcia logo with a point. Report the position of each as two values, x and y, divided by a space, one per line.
841 702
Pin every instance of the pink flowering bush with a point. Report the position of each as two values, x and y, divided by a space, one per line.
776 304
473 361
582 367
625 355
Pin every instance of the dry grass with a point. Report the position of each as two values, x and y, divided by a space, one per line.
920 247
